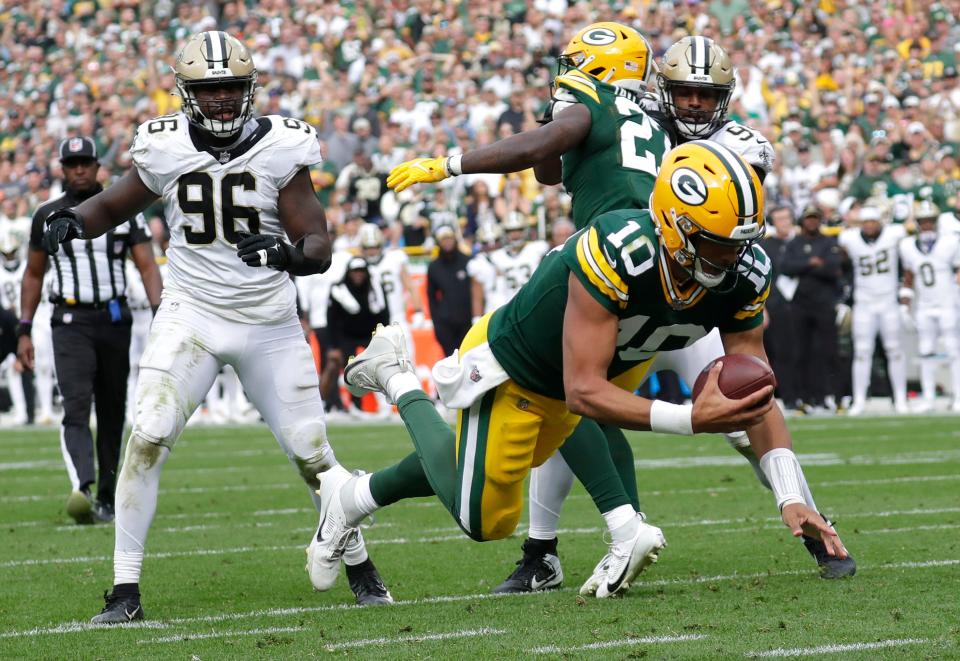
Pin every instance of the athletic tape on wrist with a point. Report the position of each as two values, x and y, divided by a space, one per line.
785 476
453 165
668 418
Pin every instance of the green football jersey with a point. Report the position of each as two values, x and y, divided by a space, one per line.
618 259
617 163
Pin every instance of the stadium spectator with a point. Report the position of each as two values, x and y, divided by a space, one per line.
448 290
779 337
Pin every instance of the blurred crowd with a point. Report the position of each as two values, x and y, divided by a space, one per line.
860 100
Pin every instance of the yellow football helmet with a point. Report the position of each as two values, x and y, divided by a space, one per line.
611 52
704 194
696 62
216 58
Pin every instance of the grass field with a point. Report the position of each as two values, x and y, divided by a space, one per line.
224 571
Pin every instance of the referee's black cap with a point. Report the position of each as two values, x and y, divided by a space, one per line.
78 148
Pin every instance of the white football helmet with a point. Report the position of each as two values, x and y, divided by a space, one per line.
371 241
515 226
10 245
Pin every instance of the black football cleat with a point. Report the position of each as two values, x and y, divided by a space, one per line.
367 585
119 609
103 512
538 570
830 566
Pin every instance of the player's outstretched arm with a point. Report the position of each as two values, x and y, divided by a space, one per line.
513 154
589 341
771 442
95 215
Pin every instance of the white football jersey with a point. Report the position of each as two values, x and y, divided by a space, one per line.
753 147
875 277
748 143
934 272
314 289
208 200
481 269
515 269
387 272
10 282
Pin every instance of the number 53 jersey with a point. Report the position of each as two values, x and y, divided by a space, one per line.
619 261
211 197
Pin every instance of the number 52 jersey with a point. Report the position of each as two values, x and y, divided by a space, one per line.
211 197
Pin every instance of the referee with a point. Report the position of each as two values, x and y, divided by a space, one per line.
91 331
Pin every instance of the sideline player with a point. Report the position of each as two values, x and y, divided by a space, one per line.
930 264
233 187
576 341
873 252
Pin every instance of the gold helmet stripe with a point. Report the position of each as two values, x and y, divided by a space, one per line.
742 181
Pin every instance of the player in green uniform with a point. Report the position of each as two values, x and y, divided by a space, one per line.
576 341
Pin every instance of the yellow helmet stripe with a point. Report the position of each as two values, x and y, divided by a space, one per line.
594 274
742 181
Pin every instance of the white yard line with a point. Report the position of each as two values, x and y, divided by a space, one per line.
814 459
646 640
72 627
218 634
414 638
838 648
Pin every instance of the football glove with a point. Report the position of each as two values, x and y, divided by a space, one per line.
418 171
264 250
62 225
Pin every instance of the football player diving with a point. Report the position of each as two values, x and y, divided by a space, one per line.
584 146
556 358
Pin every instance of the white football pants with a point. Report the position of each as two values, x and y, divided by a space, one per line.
187 346
868 320
139 332
933 324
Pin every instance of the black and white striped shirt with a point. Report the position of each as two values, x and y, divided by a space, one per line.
88 271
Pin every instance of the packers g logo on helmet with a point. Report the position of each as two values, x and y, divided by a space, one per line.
706 192
611 52
689 186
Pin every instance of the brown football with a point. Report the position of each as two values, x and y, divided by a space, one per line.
741 375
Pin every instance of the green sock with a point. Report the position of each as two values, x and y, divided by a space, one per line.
436 446
405 479
622 455
585 451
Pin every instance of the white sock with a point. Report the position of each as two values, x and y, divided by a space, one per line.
400 384
550 484
617 522
928 378
136 499
897 367
358 502
44 384
861 378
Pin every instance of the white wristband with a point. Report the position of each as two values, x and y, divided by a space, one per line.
905 292
668 418
453 165
785 476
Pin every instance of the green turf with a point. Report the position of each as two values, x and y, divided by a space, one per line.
224 572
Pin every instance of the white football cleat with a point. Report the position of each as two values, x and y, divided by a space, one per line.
334 534
630 557
855 410
901 408
385 356
923 406
599 575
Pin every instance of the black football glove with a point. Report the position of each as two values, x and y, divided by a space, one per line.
264 250
62 225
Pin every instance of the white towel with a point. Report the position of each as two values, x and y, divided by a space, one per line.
462 380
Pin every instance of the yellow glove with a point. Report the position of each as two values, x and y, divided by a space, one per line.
418 171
